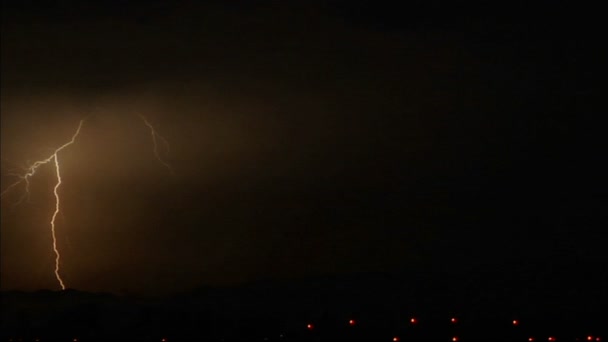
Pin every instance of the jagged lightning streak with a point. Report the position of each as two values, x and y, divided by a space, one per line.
30 172
156 136
23 178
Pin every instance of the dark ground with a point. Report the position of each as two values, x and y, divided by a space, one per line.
565 303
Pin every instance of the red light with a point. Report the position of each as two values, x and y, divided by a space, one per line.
413 320
551 338
531 339
589 338
515 322
309 326
453 320
597 339
351 322
454 338
395 339
163 340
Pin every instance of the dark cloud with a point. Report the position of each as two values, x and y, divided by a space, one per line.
306 138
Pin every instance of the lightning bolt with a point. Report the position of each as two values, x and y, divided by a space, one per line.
29 173
30 170
155 138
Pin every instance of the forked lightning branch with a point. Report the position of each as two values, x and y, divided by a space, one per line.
53 159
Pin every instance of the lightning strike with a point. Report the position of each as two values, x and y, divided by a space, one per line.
25 178
30 170
155 137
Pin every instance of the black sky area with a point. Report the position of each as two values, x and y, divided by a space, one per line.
308 138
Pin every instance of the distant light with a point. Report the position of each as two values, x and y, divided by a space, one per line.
396 338
309 326
530 339
453 320
351 322
515 322
454 339
589 338
75 340
163 340
413 320
598 339
551 338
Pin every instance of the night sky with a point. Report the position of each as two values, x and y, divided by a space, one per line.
307 138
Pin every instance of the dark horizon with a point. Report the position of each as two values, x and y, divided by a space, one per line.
308 139
319 309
